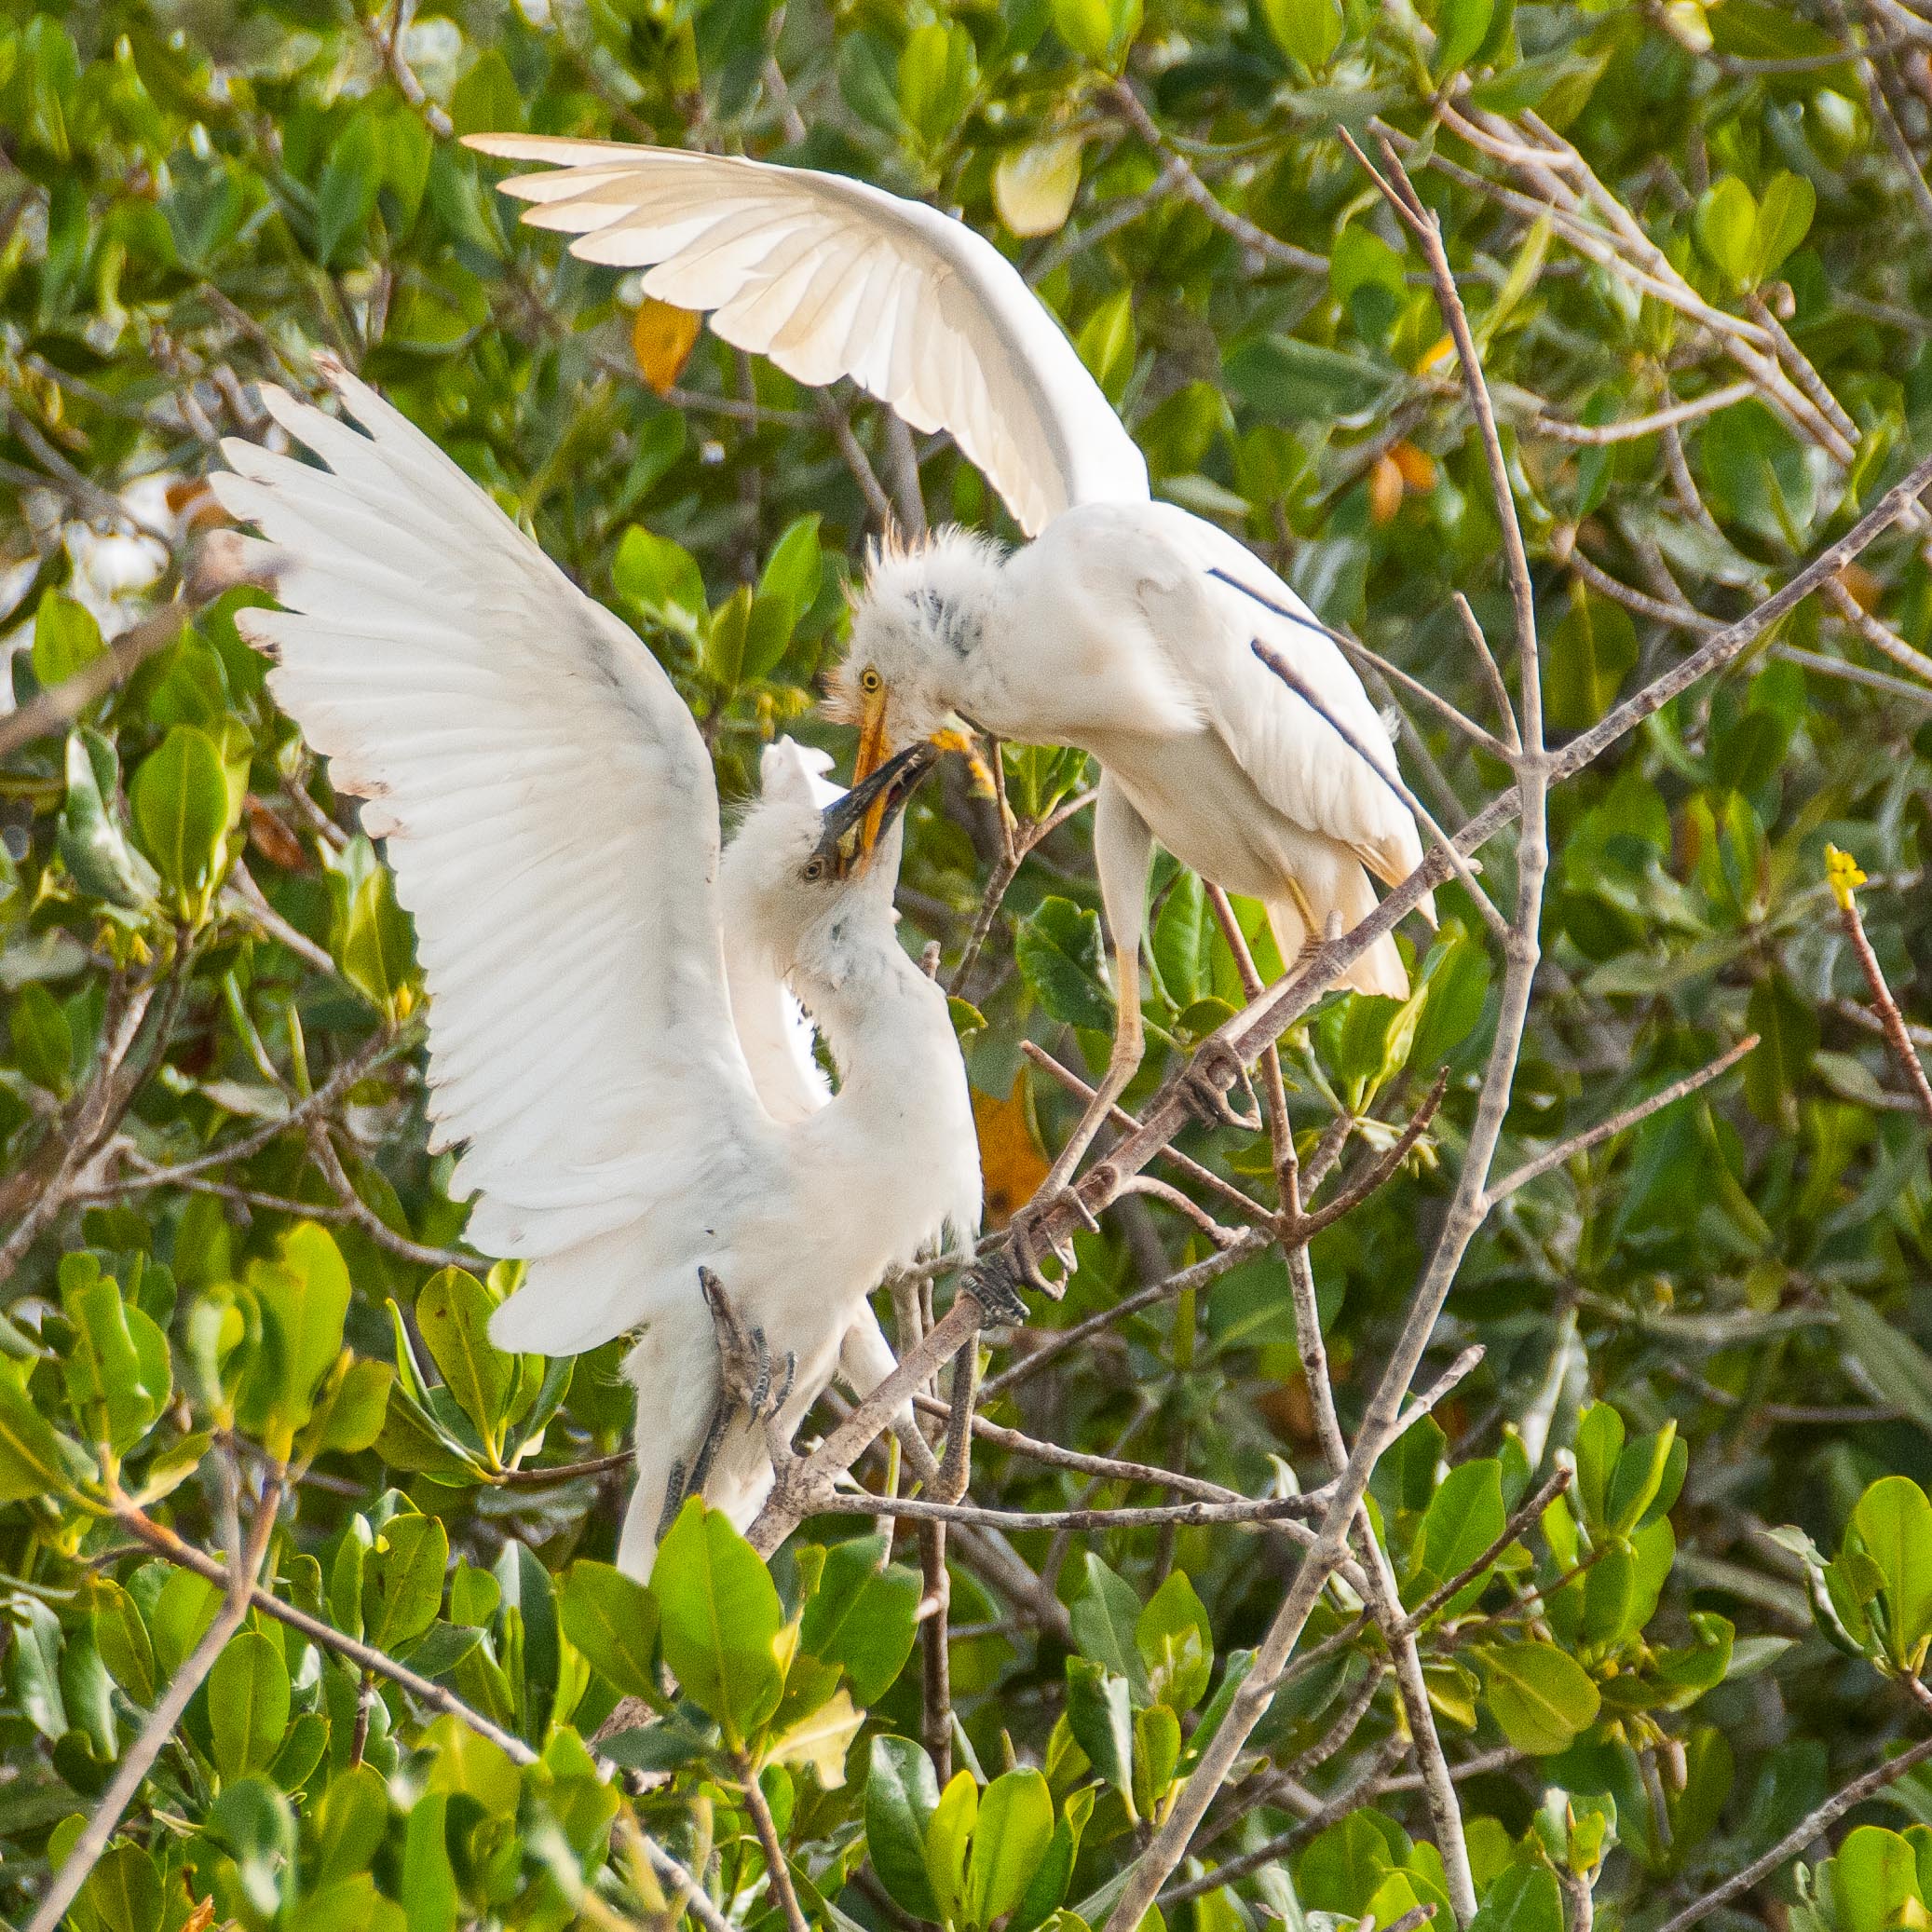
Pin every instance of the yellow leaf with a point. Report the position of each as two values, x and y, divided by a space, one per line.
1436 355
1033 187
1418 467
662 338
821 1740
1010 1164
1385 490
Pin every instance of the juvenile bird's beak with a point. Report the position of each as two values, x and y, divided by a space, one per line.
853 825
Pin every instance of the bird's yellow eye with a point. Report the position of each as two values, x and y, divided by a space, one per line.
869 680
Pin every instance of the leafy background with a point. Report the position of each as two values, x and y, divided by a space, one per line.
231 1256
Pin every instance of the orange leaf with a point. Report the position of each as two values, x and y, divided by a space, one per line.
1010 1164
662 338
1385 490
1418 467
1865 588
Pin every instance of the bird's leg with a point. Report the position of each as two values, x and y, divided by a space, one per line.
747 1380
956 1464
1124 849
1026 1237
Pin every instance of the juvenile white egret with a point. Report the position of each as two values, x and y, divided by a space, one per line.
552 824
1124 627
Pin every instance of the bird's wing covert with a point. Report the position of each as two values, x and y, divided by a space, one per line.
1300 763
831 277
552 822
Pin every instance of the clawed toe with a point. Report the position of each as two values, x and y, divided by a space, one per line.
1204 1085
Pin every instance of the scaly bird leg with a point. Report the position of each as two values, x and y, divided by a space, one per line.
956 1464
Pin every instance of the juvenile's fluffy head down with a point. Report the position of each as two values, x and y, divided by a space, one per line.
916 629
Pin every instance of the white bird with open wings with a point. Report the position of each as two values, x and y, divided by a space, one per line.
1125 627
552 824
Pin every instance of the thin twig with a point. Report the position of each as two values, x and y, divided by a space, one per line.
1845 878
762 1822
1802 1834
239 1573
1629 1117
1284 255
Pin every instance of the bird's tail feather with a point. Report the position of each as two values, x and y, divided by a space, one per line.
1379 969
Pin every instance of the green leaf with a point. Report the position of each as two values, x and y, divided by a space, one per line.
1638 1480
1465 1516
1523 1899
248 1704
66 639
1175 1643
1105 1616
403 1580
1900 1368
1787 1040
720 1621
35 1459
660 580
369 932
613 1620
120 1634
180 803
346 196
1785 210
1892 1521
938 76
123 1892
863 1617
487 99
1726 223
1541 1696
1100 1715
349 1823
1592 650
1014 1826
1183 941
1100 31
900 1796
1462 26
946 1835
1307 31
96 855
1061 956
453 1315
1872 1880
1600 1441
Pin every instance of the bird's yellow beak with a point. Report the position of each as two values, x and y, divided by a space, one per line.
869 757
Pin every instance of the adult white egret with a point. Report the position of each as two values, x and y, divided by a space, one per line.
552 824
1125 627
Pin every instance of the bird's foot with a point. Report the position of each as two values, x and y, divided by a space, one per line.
746 1371
1205 1082
1030 1241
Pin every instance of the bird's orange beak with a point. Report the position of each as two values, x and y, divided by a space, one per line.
871 755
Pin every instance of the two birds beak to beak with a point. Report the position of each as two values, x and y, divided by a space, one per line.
853 825
954 735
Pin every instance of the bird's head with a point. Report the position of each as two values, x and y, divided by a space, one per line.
795 870
916 631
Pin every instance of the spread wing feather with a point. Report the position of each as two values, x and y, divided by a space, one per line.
553 825
832 277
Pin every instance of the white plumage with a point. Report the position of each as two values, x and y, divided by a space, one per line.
1124 628
552 824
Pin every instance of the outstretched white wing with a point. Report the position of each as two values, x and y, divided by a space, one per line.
832 277
552 824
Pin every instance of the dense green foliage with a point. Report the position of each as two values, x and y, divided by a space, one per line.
232 1256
